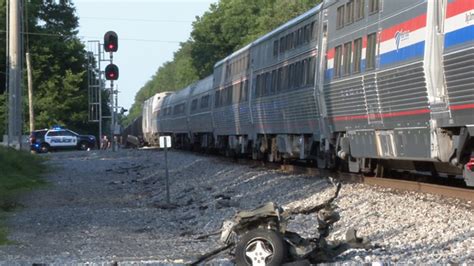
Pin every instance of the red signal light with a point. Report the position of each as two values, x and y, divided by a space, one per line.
110 41
111 72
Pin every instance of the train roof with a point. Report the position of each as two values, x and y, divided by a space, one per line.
283 27
288 24
203 86
158 95
179 96
234 54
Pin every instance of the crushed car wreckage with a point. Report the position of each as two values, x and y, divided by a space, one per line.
260 236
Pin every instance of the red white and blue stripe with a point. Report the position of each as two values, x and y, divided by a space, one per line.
406 41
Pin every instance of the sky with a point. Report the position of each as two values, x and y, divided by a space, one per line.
149 32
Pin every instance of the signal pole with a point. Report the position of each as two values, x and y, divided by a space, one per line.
112 73
112 107
14 73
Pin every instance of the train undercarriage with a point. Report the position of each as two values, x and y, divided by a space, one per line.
453 158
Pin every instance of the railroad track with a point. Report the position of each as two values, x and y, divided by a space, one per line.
403 185
423 187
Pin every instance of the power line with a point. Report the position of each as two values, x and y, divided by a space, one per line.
139 20
98 38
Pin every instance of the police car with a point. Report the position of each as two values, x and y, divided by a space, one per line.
58 138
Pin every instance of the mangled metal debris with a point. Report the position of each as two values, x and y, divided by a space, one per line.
260 236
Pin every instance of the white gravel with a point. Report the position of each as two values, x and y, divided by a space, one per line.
104 207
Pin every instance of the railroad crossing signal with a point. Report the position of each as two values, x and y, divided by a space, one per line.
111 72
110 41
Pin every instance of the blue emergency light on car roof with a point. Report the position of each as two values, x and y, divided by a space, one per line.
56 127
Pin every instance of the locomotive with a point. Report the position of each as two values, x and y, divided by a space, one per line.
377 84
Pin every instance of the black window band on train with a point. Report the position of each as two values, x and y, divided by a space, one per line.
295 39
297 75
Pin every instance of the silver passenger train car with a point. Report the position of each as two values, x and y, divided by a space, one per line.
377 83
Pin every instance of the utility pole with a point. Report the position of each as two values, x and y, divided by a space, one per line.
30 92
14 72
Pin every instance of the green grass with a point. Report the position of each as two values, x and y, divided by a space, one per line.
19 172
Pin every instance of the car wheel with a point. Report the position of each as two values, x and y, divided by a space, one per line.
44 148
261 247
83 146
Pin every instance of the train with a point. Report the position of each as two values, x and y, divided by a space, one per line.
373 84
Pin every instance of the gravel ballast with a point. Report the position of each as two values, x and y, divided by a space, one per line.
105 207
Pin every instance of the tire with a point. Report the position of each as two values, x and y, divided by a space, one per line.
44 148
83 146
261 247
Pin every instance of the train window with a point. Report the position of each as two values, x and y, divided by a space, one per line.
216 98
288 42
292 41
257 87
227 72
179 109
311 69
274 81
340 17
373 6
371 48
349 12
205 101
299 74
229 93
305 72
275 48
268 83
241 92
294 77
222 101
264 84
222 98
246 90
338 61
279 80
300 36
194 104
282 44
286 80
236 89
347 58
290 76
307 33
359 9
357 55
